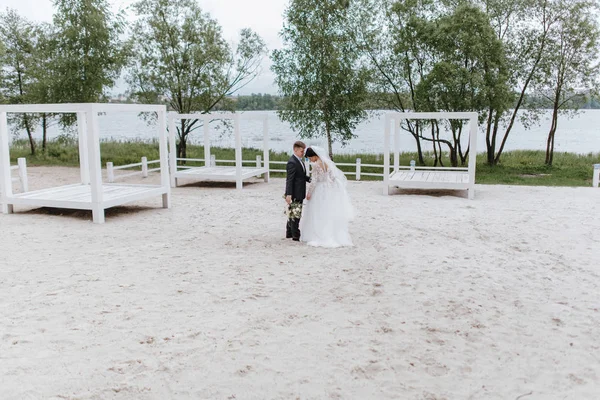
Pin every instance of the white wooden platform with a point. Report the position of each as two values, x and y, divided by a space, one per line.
218 173
425 179
79 196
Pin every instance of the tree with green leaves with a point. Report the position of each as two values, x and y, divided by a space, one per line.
389 34
18 37
46 87
572 66
86 49
2 53
524 27
469 69
179 56
319 71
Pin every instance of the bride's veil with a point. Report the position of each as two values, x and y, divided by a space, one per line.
339 194
337 173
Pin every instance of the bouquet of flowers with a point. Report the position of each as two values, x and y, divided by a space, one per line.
293 210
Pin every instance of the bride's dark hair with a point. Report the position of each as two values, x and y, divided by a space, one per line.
310 153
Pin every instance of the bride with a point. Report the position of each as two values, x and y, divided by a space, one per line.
328 210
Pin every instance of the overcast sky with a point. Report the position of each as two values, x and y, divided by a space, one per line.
263 16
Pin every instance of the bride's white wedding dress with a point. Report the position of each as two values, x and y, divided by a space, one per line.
325 216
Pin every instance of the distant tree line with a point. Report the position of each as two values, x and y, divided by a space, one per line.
269 102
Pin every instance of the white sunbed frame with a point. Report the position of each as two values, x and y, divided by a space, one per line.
209 172
91 194
428 177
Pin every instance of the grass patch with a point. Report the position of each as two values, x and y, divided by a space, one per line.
516 167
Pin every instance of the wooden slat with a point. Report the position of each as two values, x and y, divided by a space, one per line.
82 193
48 192
431 177
219 171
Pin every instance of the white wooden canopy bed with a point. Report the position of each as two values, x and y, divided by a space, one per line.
210 171
405 177
91 194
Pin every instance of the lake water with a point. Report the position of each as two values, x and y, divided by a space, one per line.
580 134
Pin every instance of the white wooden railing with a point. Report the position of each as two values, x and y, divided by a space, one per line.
214 161
596 177
358 165
110 169
357 173
22 168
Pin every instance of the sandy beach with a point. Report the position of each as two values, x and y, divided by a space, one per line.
441 298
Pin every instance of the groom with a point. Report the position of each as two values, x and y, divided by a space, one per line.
295 187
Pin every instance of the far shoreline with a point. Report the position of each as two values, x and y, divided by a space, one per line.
517 167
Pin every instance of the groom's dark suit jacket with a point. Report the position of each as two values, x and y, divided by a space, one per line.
295 184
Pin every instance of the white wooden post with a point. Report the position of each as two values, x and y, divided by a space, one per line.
5 175
110 172
207 158
164 167
95 171
397 122
266 147
386 156
213 160
238 152
596 178
84 165
258 162
172 150
358 169
22 162
144 167
472 162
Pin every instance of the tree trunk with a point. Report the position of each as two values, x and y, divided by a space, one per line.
550 141
435 152
419 149
490 142
182 146
454 149
439 144
329 141
555 109
453 156
463 156
29 134
44 132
